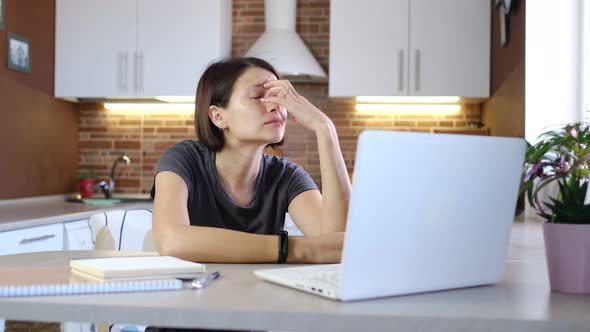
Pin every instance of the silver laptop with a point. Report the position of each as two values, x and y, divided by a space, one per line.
428 212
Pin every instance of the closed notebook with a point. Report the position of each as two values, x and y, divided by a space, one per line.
136 268
15 282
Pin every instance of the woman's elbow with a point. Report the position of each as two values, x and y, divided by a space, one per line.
167 242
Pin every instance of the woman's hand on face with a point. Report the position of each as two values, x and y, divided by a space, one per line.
282 92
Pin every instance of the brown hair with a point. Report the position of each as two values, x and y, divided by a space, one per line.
215 88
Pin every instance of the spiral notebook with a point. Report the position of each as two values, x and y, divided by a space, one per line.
16 282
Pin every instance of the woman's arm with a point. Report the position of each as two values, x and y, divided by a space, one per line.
174 236
333 202
335 183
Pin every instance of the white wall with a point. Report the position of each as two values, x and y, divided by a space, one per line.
585 87
553 54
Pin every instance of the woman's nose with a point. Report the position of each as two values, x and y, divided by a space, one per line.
272 107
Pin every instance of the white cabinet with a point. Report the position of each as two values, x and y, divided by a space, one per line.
33 239
78 235
137 48
409 47
368 48
41 238
450 48
177 39
94 48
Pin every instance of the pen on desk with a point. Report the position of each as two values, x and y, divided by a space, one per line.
202 281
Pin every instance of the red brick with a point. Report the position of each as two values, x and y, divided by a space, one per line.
251 12
172 130
95 144
150 122
126 182
127 122
455 116
164 145
93 129
252 28
404 123
427 123
376 123
127 145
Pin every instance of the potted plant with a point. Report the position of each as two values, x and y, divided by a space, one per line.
561 157
86 178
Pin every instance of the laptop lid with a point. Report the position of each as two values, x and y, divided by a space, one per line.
429 212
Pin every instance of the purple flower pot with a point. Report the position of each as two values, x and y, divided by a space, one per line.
567 248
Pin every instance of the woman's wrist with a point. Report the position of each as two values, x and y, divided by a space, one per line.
324 127
297 250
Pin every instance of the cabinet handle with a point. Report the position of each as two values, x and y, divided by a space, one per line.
121 73
136 72
400 68
36 239
417 70
125 70
141 71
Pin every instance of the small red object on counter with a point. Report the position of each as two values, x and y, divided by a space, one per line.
85 187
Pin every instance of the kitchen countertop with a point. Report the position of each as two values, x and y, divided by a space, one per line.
45 210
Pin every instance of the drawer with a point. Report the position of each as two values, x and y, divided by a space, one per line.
42 238
77 235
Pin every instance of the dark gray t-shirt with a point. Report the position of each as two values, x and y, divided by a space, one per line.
278 182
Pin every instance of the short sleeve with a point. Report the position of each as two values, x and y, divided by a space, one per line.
175 160
300 182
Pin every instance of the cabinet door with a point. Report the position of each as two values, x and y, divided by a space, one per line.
176 40
94 45
368 48
34 239
450 48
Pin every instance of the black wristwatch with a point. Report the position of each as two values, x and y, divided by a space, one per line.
283 247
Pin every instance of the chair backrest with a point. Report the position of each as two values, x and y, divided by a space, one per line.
123 230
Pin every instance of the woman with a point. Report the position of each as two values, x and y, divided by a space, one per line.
221 199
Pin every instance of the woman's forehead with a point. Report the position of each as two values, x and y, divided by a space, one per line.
254 77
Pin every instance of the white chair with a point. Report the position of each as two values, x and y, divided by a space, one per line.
129 230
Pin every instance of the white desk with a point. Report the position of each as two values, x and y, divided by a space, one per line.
523 302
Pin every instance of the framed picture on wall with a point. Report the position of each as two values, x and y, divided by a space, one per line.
19 53
2 15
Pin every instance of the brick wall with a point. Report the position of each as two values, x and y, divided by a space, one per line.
143 135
